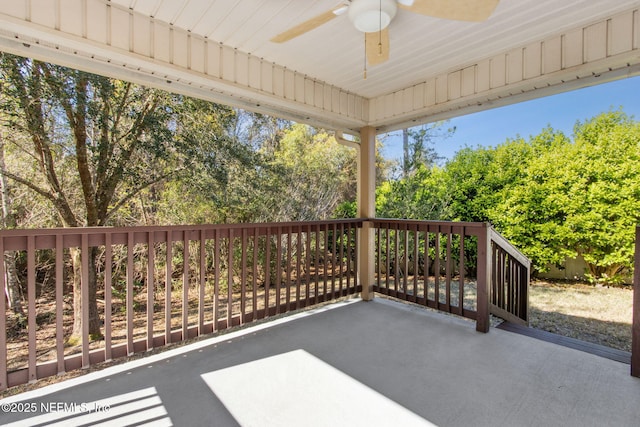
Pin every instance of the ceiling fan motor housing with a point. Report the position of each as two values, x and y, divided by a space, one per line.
370 16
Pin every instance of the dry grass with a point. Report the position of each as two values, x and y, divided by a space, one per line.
595 314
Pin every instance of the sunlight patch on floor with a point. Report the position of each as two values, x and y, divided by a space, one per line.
297 388
141 407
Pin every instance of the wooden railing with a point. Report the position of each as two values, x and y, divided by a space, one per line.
464 268
430 263
159 285
510 272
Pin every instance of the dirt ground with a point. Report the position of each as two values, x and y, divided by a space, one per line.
601 315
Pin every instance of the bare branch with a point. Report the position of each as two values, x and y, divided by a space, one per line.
30 185
133 193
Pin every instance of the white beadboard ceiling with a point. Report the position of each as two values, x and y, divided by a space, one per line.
334 53
220 50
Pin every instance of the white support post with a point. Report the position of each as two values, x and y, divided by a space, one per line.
366 208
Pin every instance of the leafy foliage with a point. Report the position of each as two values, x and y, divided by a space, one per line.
424 194
557 198
314 174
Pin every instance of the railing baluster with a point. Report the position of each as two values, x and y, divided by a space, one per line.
378 259
3 323
504 276
516 288
388 259
108 261
59 254
396 260
230 242
150 287
129 298
289 255
448 267
461 274
203 281
325 276
216 279
278 268
512 287
437 268
502 291
509 282
267 271
185 285
524 293
336 263
341 264
356 268
84 285
243 276
427 265
316 264
254 280
405 262
307 260
496 290
168 289
298 265
416 263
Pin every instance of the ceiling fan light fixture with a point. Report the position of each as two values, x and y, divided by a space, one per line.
370 16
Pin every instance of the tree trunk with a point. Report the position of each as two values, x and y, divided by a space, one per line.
9 221
13 284
405 153
94 318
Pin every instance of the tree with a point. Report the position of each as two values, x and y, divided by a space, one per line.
605 195
418 146
220 186
467 174
308 175
95 143
424 194
9 221
580 198
419 192
480 177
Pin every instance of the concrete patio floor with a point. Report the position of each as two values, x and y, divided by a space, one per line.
349 363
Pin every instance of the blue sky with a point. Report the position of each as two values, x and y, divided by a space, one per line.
493 127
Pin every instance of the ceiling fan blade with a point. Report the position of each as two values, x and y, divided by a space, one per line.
459 10
377 47
306 26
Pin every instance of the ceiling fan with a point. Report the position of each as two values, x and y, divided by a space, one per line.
372 17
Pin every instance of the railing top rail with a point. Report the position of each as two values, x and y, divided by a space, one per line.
153 228
509 248
466 224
